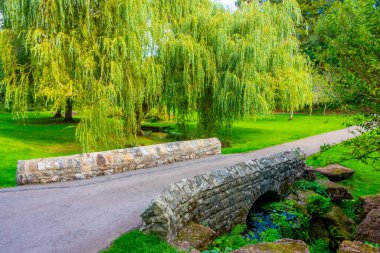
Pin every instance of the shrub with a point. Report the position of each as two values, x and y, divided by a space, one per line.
270 235
325 147
232 241
351 208
286 205
320 246
292 225
318 205
312 186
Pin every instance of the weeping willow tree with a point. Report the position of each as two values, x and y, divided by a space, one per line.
225 65
116 59
90 52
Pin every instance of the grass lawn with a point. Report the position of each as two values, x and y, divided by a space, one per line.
43 136
365 181
39 136
137 242
250 135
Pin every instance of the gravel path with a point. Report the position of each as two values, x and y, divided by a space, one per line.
85 216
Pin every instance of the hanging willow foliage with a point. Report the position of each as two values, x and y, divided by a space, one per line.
117 58
91 52
227 65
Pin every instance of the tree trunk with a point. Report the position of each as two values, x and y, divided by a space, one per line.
58 114
69 111
324 110
140 115
291 115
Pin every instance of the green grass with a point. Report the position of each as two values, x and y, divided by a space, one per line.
365 181
137 242
43 136
39 136
248 135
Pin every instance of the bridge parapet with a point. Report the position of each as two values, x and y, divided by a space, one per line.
222 198
83 166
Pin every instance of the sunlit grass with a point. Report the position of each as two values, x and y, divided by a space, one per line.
365 181
43 136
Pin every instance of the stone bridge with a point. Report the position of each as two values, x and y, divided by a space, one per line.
222 198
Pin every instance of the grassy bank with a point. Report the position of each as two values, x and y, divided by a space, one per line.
365 181
137 242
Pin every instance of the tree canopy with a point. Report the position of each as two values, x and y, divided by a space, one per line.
117 59
348 48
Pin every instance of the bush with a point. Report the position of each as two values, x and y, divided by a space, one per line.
292 225
320 246
351 208
318 205
312 186
232 241
270 235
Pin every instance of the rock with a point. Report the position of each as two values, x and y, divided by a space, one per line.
369 229
336 192
319 231
186 247
356 247
301 199
281 246
309 173
336 172
196 236
367 203
333 227
344 225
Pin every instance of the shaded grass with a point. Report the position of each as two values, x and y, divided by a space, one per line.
40 135
365 181
137 242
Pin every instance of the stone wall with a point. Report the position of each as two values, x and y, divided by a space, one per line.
221 198
41 171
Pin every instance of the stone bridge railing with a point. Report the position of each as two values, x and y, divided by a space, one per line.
58 169
221 198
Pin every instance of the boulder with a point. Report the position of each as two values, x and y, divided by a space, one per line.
332 227
336 192
309 173
301 199
344 226
281 246
185 246
336 172
369 229
196 236
318 230
356 247
367 203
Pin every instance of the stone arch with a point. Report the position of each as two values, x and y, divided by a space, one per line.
222 198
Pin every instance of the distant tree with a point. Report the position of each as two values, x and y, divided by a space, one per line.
349 36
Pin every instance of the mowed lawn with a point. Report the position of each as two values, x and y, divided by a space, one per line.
38 136
268 131
43 136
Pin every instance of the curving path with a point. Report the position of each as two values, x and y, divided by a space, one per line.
85 216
